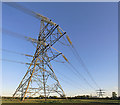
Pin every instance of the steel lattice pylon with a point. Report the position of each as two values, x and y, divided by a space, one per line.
100 93
35 82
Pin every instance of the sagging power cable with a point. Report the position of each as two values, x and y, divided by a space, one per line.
77 73
22 36
9 51
85 67
30 12
14 34
13 61
81 61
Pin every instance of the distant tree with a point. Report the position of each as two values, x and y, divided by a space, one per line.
87 96
82 97
114 95
53 97
41 96
107 97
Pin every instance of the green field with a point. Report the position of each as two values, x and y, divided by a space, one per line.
60 101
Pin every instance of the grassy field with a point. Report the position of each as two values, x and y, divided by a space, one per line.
60 101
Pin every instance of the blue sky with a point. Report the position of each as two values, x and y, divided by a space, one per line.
93 29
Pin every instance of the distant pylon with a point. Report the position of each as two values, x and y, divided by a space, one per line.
100 93
40 78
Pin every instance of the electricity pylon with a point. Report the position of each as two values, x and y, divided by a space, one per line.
40 78
100 93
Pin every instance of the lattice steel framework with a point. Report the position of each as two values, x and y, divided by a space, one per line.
100 93
35 82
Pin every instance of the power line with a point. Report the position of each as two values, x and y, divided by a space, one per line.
13 61
9 51
14 52
76 54
22 9
22 36
30 12
84 66
14 34
76 71
80 75
68 82
46 20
